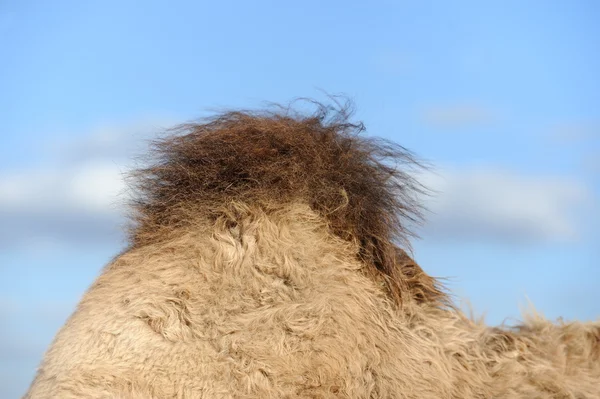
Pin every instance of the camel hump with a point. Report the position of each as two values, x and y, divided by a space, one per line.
363 186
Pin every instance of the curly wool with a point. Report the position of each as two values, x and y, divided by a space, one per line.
362 186
264 263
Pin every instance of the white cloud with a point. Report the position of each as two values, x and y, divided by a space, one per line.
96 186
489 203
79 204
91 186
76 197
117 143
81 196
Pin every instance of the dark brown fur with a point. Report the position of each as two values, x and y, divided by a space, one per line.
362 186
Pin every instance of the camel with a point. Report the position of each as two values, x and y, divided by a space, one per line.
269 257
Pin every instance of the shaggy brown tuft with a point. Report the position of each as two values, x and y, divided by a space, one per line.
421 287
362 186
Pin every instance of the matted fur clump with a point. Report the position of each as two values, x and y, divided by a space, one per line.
362 186
265 262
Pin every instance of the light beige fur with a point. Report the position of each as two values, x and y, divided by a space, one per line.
264 263
268 303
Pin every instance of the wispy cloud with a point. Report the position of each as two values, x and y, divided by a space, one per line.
79 196
591 163
457 116
117 143
75 206
503 206
576 132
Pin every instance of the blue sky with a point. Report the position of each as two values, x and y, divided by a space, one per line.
503 98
